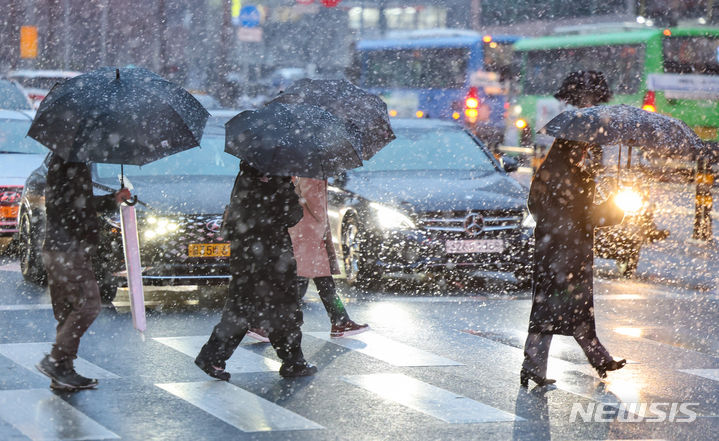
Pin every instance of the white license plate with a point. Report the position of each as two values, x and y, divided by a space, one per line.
474 246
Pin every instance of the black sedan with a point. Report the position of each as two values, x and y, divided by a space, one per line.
179 218
433 200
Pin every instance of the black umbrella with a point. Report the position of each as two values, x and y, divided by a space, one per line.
293 140
363 110
124 116
655 134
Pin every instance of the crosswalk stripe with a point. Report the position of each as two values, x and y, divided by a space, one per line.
430 400
242 361
11 267
711 374
26 307
28 355
238 407
41 415
382 348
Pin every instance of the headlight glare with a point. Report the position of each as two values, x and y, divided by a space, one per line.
391 219
629 200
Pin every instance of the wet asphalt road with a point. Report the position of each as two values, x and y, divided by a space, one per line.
434 367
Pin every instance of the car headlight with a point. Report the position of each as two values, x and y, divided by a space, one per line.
528 221
157 227
391 219
629 200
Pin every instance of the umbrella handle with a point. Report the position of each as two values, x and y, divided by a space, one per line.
132 201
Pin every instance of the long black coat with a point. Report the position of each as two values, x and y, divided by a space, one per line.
561 199
70 207
262 263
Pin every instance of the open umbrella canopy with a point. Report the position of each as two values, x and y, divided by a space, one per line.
293 140
366 112
655 134
127 115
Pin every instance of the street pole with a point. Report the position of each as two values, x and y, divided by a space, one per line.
66 34
103 31
703 201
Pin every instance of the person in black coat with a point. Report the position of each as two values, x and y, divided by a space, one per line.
71 236
263 289
561 200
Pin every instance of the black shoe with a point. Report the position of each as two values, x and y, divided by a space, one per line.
300 369
213 371
525 376
612 365
63 375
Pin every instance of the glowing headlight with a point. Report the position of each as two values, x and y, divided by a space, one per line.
159 227
629 200
391 219
528 221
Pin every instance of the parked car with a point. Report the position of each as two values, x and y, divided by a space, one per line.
37 83
19 156
179 218
12 96
433 200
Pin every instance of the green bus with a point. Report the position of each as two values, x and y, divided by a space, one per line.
673 71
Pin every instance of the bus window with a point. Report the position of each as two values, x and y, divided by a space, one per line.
691 55
417 68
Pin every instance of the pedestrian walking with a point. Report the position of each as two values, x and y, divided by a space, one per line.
561 200
263 289
71 236
315 254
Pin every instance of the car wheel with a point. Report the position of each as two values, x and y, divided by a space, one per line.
30 255
354 245
627 265
108 289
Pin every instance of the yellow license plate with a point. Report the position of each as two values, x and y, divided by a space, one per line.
706 133
208 250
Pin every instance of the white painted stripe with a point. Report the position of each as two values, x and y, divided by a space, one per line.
238 407
12 267
382 348
430 400
26 307
243 360
42 416
711 374
28 355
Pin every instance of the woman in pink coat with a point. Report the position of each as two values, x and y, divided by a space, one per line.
315 254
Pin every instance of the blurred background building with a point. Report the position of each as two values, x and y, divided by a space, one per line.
222 45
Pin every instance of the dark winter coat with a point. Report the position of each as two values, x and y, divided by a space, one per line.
561 200
261 260
70 207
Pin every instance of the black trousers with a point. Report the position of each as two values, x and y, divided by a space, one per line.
328 293
75 298
233 326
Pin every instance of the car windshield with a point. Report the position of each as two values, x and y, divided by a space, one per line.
436 148
209 159
13 139
12 98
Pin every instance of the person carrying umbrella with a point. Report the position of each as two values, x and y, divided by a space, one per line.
102 117
315 254
71 236
263 288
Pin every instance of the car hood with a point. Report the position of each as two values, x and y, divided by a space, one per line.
16 167
439 190
181 194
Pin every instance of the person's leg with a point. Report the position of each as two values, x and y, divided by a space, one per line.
288 345
536 354
228 333
302 283
333 304
586 336
75 299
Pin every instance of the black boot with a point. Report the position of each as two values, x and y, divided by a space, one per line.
297 369
525 376
63 375
612 365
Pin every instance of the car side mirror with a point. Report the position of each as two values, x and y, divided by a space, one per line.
509 164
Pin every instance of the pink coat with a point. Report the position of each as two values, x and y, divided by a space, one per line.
311 237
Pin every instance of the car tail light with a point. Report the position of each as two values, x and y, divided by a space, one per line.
649 103
472 99
9 203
